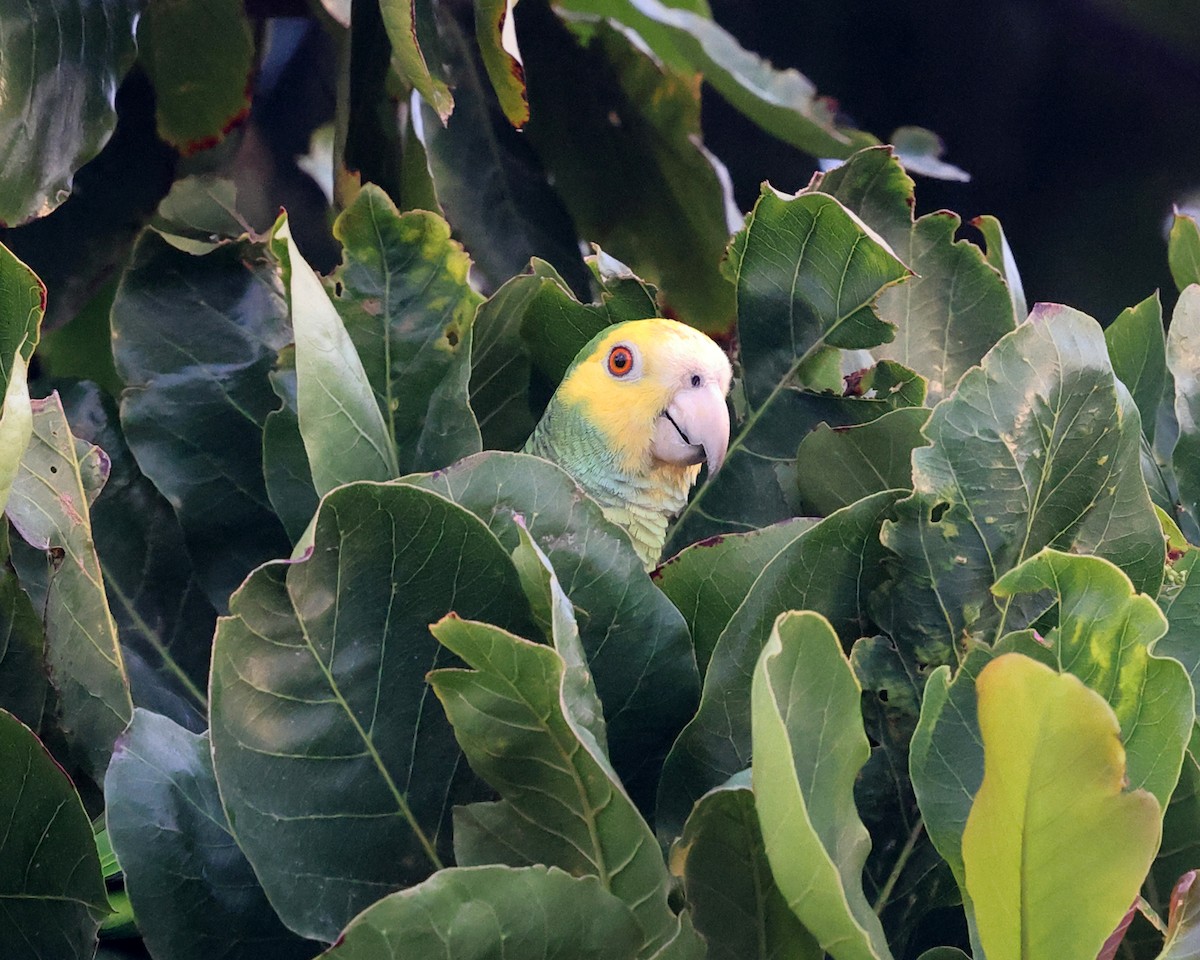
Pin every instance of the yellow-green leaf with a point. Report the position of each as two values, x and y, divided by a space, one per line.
1054 849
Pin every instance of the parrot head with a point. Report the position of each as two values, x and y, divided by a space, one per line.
639 410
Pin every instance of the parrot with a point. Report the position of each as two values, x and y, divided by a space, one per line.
639 409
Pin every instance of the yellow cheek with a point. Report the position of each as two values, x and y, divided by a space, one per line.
623 412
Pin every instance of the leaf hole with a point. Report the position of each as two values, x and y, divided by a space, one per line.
938 511
883 696
53 469
452 336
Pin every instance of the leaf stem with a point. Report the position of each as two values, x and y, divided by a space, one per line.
898 867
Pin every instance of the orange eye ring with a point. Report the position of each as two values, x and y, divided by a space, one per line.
620 361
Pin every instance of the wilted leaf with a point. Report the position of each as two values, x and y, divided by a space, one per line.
808 274
1137 347
1183 250
51 890
336 767
728 883
957 306
342 425
403 293
836 467
192 890
635 641
198 54
61 65
1039 446
516 723
829 568
708 581
194 339
809 745
497 39
488 178
620 136
1052 815
494 913
782 102
58 479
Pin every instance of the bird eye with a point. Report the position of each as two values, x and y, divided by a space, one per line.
620 361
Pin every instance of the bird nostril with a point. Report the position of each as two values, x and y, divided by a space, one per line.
695 379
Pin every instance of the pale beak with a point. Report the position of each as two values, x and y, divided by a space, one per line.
694 428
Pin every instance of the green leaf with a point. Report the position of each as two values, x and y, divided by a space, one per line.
708 581
635 641
728 883
498 45
1181 833
22 646
500 364
782 102
410 27
1000 256
1052 815
51 889
921 150
58 479
1039 446
1137 347
1105 636
1183 931
192 890
1183 360
164 621
343 428
808 274
957 306
493 913
22 303
1183 250
194 338
1182 610
623 150
403 293
809 745
836 467
515 720
61 67
829 568
286 470
319 679
488 178
198 54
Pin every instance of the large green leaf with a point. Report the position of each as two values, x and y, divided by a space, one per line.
620 137
22 303
1105 636
51 889
198 54
494 913
808 275
708 581
403 293
1183 360
342 425
336 767
488 178
727 880
194 337
1182 609
636 642
957 306
837 466
164 621
1137 347
782 102
809 746
58 479
1183 250
192 890
1180 847
60 67
514 715
1052 815
830 568
1039 446
22 646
